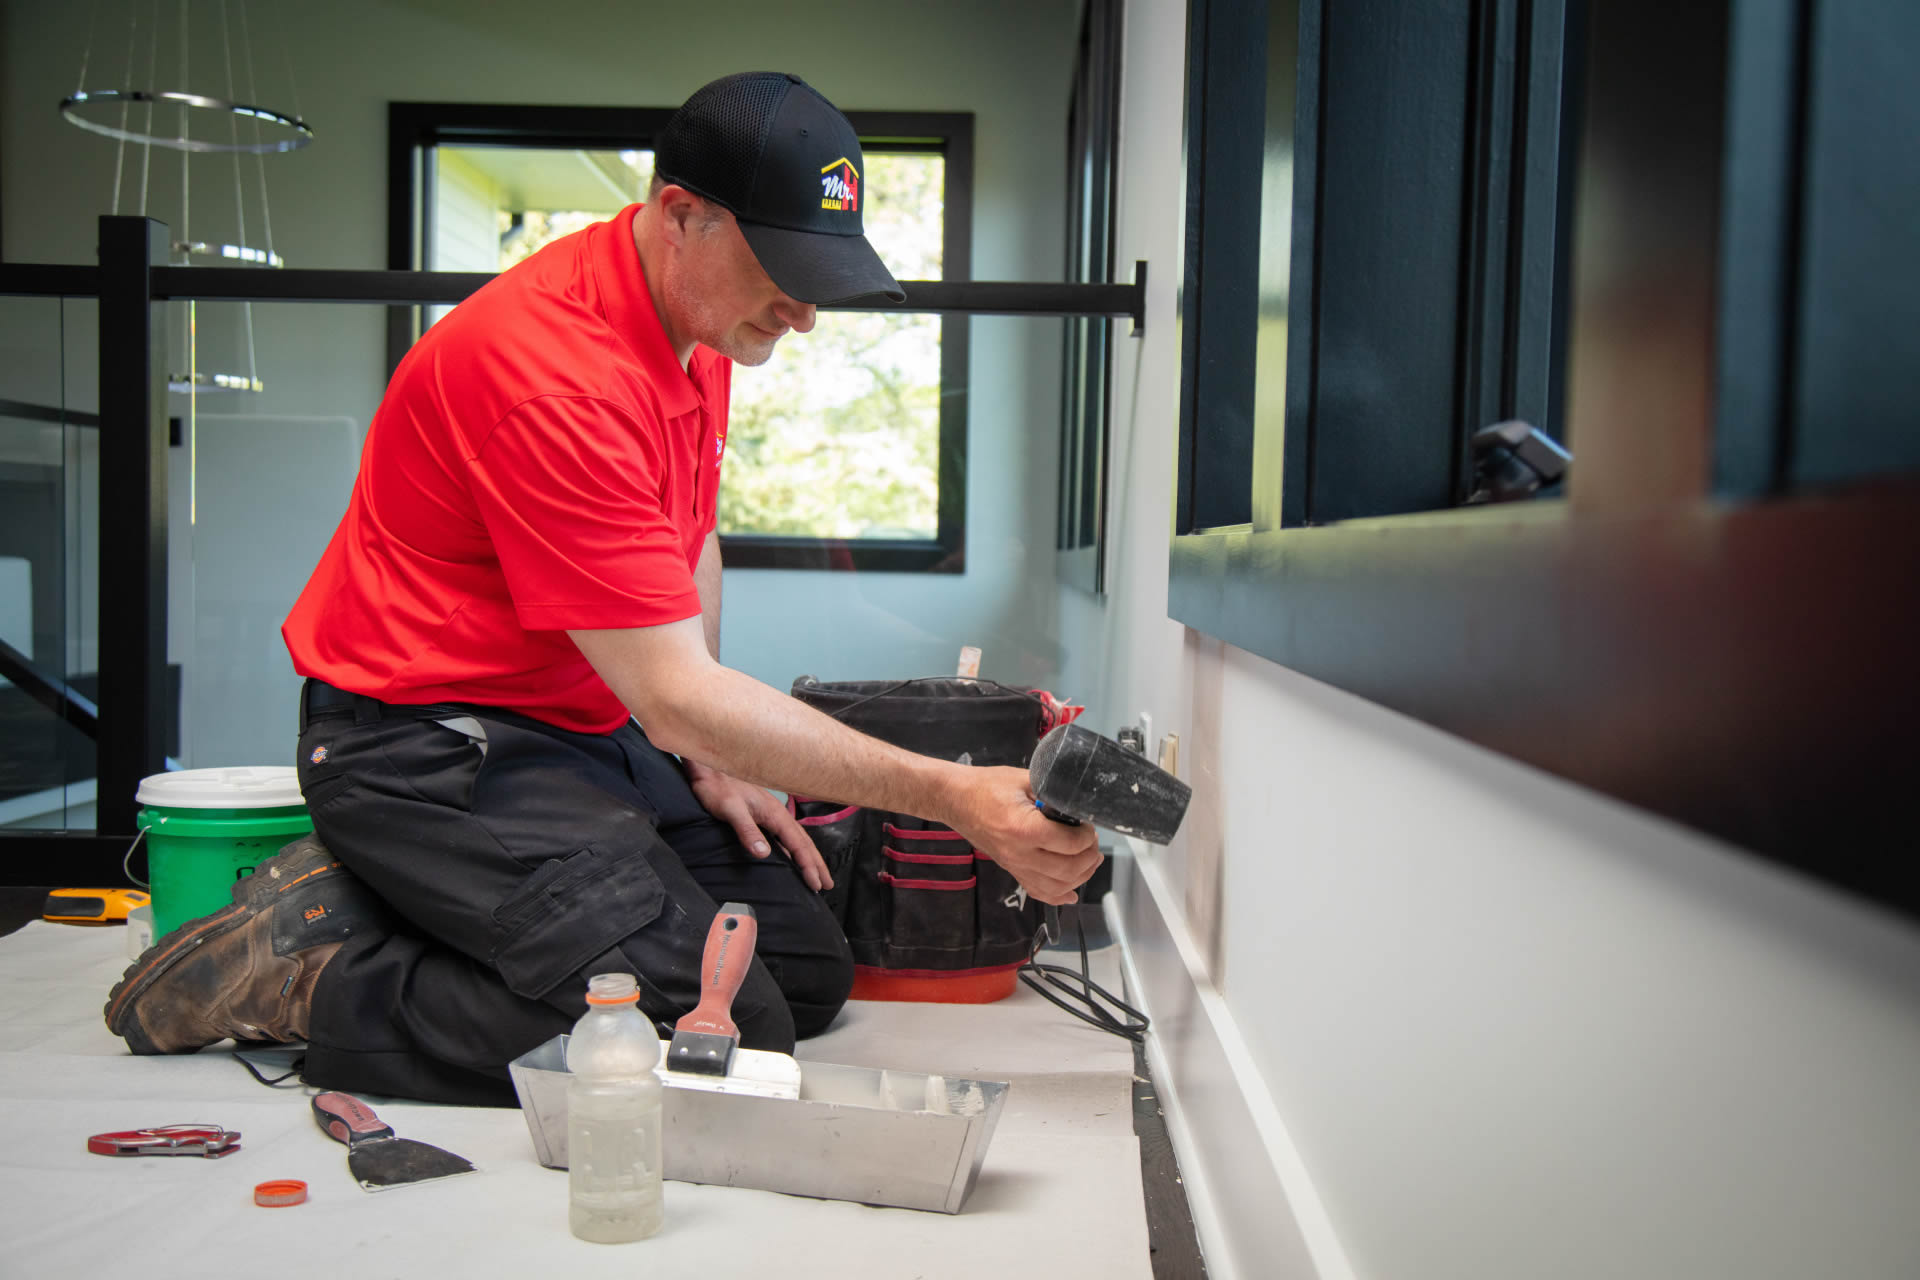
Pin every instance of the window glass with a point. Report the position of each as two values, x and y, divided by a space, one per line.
838 437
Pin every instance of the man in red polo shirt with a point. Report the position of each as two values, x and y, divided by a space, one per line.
524 762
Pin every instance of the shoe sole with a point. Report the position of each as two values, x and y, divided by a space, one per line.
251 894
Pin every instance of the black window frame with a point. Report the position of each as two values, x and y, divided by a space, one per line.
1480 140
414 128
1086 390
1694 630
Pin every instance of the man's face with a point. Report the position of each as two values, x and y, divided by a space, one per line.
720 295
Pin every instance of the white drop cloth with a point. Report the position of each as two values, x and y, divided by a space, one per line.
1059 1196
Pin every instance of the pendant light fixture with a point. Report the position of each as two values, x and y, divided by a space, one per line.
192 120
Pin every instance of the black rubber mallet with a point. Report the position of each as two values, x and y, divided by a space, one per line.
1078 776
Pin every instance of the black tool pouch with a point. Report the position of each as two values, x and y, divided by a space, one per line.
913 896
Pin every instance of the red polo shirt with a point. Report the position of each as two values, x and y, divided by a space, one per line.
540 462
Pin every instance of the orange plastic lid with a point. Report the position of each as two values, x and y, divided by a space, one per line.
613 988
278 1195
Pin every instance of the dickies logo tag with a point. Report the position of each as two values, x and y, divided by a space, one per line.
319 756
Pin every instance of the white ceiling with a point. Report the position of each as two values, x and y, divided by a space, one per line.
550 179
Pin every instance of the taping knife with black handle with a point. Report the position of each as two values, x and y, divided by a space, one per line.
377 1160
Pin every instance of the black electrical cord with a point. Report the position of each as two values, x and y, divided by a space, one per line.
297 1065
1132 1026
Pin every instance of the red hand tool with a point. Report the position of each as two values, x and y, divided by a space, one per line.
209 1140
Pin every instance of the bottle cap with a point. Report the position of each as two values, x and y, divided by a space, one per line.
613 988
278 1195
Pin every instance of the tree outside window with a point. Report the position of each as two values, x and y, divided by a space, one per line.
838 435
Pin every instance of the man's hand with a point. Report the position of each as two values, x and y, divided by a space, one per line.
1050 859
699 710
752 811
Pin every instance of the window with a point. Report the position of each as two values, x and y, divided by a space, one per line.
1403 203
847 449
1673 236
1093 125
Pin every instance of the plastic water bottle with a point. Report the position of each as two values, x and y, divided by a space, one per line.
613 1117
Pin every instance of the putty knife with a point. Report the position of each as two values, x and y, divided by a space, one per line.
378 1160
705 1052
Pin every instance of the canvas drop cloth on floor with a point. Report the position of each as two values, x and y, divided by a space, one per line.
1059 1195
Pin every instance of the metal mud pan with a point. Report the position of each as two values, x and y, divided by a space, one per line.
877 1137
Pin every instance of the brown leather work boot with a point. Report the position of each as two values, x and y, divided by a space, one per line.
247 971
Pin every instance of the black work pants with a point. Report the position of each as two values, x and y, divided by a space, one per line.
520 859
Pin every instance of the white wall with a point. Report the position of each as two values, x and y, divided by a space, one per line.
1486 1024
269 490
1007 61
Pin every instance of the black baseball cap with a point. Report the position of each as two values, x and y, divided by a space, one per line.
767 147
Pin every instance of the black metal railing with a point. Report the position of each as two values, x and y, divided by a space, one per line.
132 283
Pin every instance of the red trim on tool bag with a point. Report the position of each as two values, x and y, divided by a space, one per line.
1055 711
876 971
921 835
948 859
887 877
821 820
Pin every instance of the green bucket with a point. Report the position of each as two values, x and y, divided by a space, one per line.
206 828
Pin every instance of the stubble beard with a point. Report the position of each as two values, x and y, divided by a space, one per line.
707 326
749 352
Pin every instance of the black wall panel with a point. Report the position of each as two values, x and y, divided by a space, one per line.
1387 315
1856 407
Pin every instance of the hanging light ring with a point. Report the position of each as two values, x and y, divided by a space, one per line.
300 134
201 382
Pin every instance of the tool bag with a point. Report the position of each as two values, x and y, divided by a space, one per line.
914 897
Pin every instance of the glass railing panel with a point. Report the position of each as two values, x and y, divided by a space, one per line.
47 682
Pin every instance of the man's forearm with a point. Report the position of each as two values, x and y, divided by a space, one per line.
752 731
694 707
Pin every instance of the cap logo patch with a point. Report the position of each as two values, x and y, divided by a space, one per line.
840 186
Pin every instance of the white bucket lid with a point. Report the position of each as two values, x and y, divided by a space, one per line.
259 786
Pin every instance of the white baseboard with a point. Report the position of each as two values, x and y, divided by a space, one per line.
1255 1209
